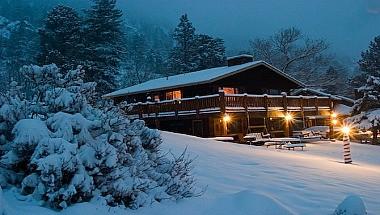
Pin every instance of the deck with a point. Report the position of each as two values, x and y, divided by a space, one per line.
228 103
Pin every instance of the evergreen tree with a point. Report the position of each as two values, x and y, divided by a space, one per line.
18 46
367 109
370 62
334 80
141 63
61 41
183 55
210 52
104 44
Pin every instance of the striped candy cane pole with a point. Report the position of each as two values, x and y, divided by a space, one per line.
347 149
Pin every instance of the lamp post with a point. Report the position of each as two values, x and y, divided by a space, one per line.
346 145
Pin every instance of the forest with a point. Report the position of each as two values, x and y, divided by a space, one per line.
123 51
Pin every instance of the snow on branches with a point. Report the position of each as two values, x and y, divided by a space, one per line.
62 147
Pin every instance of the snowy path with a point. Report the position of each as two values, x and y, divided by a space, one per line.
245 179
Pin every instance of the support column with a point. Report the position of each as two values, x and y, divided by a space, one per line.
245 103
287 122
222 106
331 118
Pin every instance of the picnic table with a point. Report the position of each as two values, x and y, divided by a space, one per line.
281 141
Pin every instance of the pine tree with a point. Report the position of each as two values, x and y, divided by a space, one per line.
367 109
61 40
210 52
18 46
370 62
104 44
141 63
183 55
334 80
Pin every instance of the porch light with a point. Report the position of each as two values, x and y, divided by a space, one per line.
346 130
334 122
288 117
334 115
226 118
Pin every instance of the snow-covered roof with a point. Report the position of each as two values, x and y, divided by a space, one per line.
240 56
195 78
343 109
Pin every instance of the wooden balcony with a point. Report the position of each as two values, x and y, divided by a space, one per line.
225 103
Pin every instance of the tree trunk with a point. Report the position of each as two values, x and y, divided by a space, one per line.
375 131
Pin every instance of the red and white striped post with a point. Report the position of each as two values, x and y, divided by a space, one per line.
346 145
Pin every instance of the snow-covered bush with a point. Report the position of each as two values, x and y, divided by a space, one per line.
352 205
65 148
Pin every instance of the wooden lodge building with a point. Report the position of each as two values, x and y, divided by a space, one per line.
244 96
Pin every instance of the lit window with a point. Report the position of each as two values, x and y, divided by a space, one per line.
176 94
230 90
157 98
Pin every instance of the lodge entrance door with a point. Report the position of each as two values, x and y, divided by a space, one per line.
198 128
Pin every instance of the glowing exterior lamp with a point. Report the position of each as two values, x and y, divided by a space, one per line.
226 118
334 122
346 130
334 115
288 117
346 144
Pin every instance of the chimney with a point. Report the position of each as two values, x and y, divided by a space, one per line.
239 59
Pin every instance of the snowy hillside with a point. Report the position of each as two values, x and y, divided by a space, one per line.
243 179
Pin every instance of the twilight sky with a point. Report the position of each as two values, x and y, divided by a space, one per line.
348 25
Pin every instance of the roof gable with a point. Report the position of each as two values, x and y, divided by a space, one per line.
194 78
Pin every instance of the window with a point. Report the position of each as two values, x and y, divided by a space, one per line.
229 90
156 98
176 94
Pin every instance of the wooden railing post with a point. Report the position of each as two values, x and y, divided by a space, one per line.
176 107
197 105
222 102
245 102
222 105
316 105
331 106
287 122
284 102
139 107
156 111
266 106
302 112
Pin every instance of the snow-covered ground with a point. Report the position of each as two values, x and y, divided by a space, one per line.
243 179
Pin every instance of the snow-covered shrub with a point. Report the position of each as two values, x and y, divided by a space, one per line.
352 205
66 148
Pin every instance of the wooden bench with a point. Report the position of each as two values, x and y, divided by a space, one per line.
294 145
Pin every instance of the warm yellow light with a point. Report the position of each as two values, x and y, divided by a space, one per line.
226 118
288 117
346 130
334 122
334 115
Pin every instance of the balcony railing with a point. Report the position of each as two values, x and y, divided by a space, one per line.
227 103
